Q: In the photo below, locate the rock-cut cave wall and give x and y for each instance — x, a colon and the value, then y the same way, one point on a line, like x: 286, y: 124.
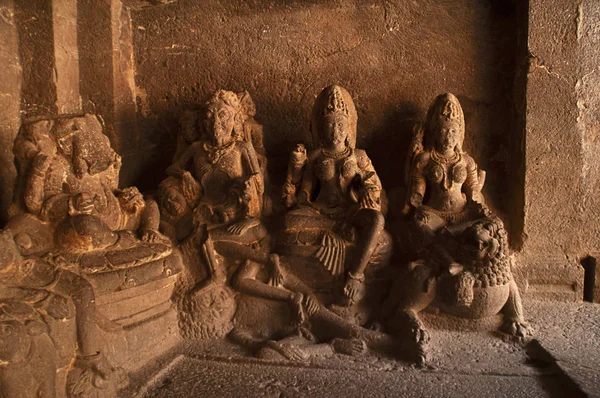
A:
x: 525, y: 73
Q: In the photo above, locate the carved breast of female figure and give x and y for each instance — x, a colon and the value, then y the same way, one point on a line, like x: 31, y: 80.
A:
x: 335, y: 176
x: 445, y: 179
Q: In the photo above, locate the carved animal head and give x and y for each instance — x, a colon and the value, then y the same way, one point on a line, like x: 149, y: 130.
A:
x: 131, y: 200
x: 82, y: 141
x: 16, y: 339
x: 19, y: 322
x: 483, y: 241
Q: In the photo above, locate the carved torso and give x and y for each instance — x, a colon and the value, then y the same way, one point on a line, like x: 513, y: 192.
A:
x: 334, y: 176
x: 218, y: 172
x: 444, y: 182
x: 447, y: 180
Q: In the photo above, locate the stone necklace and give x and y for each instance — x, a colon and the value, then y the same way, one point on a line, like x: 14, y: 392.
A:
x: 336, y: 155
x: 441, y: 162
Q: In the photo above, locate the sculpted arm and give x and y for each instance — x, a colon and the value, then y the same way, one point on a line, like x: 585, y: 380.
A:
x: 418, y: 184
x: 253, y: 171
x: 308, y: 180
x: 34, y: 186
x: 473, y: 183
x: 296, y: 165
x: 178, y: 168
x: 372, y: 184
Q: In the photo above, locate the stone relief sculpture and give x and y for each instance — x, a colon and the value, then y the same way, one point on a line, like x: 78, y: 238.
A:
x: 220, y: 136
x: 465, y: 264
x: 74, y: 238
x: 212, y: 203
x: 335, y: 221
x: 243, y: 279
x: 78, y: 249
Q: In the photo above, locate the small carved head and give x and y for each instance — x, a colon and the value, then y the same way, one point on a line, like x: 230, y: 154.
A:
x: 334, y: 118
x: 484, y: 240
x: 188, y: 126
x: 446, y: 123
x: 173, y: 202
x: 335, y: 130
x: 131, y: 200
x: 223, y: 118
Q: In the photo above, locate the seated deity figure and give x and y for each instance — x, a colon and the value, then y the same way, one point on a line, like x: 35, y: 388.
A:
x: 217, y: 178
x: 217, y: 184
x: 464, y: 265
x: 73, y: 236
x: 335, y: 197
x: 444, y: 187
x: 69, y: 179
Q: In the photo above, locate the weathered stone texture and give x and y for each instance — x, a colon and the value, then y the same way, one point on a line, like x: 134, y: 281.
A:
x: 10, y: 94
x: 393, y: 56
x: 562, y: 169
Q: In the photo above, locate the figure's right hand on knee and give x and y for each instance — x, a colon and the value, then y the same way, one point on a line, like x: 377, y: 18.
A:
x: 189, y: 187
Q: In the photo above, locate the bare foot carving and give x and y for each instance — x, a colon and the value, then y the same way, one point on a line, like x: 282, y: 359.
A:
x: 297, y: 308
x: 288, y: 351
x: 351, y: 347
x: 515, y: 328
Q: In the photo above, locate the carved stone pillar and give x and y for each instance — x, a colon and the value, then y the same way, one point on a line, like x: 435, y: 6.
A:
x: 562, y: 171
x: 10, y: 94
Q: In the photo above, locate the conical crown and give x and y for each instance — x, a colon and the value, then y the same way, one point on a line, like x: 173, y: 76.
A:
x: 335, y: 103
x: 451, y: 110
x: 444, y: 109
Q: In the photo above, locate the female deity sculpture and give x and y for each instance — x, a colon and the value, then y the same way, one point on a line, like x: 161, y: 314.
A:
x: 465, y: 265
x: 336, y: 197
x: 445, y: 183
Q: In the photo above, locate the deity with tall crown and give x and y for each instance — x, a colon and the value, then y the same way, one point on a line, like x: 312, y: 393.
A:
x: 335, y: 222
x: 464, y: 265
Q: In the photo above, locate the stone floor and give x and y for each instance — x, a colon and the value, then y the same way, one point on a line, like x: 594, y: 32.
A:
x: 562, y: 359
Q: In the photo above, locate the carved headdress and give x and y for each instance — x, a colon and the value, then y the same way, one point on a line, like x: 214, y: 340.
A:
x: 232, y: 100
x: 333, y: 100
x: 445, y: 108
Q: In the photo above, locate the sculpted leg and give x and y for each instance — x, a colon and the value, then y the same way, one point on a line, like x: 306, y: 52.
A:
x: 370, y: 223
x: 245, y: 281
x: 514, y: 321
x: 90, y: 359
x: 410, y: 295
x: 82, y: 295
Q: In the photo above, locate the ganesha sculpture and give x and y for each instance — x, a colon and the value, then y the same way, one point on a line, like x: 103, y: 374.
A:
x: 78, y: 247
